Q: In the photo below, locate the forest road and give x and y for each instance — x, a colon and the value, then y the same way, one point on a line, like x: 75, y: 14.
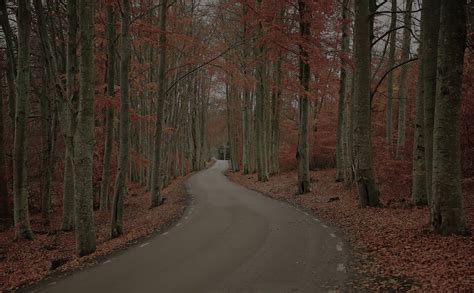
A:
x: 230, y: 239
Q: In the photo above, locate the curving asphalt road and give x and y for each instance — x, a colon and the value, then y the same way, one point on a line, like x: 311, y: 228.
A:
x: 230, y: 239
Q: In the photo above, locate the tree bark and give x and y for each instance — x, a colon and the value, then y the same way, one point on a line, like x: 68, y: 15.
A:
x: 4, y: 209
x: 418, y: 191
x: 246, y: 102
x: 391, y: 64
x: 275, y: 123
x: 156, y: 177
x: 430, y: 51
x: 84, y: 135
x: 447, y: 213
x: 21, y: 217
x: 402, y: 93
x: 367, y: 190
x: 302, y: 154
x: 341, y: 162
x: 109, y: 120
x: 69, y: 115
x: 11, y: 71
x: 262, y: 170
x: 122, y: 166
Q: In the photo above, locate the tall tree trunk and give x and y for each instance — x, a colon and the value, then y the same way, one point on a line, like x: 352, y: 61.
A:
x: 4, y: 209
x: 122, y: 165
x: 69, y: 115
x: 430, y: 53
x: 260, y: 104
x: 302, y: 153
x: 109, y: 120
x: 402, y: 93
x: 230, y: 93
x: 156, y: 179
x: 48, y: 115
x: 275, y: 123
x: 246, y: 103
x: 21, y: 217
x: 418, y: 191
x: 391, y: 64
x: 341, y: 162
x: 367, y: 189
x: 447, y: 213
x: 10, y: 56
x: 84, y: 135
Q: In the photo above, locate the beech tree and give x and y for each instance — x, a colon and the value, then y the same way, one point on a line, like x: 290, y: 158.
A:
x: 447, y: 212
x: 403, y: 90
x: 156, y: 176
x: 122, y: 167
x: 302, y: 154
x: 21, y: 212
x: 366, y: 186
x: 418, y: 191
x: 391, y: 63
x: 84, y: 135
x: 109, y: 122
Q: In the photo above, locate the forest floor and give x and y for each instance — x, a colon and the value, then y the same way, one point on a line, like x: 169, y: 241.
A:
x: 26, y: 262
x: 393, y: 247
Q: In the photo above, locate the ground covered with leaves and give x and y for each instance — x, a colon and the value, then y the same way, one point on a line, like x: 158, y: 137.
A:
x: 393, y: 247
x: 26, y: 262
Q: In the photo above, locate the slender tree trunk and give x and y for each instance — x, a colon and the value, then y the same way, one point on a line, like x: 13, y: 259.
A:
x: 275, y: 123
x: 447, y: 213
x: 260, y: 106
x: 11, y: 71
x: 302, y: 154
x: 69, y: 115
x: 156, y: 179
x: 231, y: 128
x: 84, y: 135
x: 246, y: 103
x: 367, y: 189
x: 48, y: 113
x: 122, y: 166
x: 340, y: 157
x: 402, y: 93
x: 109, y: 120
x: 391, y: 64
x: 430, y: 52
x: 418, y: 191
x: 21, y: 217
x: 4, y: 209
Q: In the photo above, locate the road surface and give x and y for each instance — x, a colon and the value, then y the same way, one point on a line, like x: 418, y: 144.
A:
x: 230, y: 239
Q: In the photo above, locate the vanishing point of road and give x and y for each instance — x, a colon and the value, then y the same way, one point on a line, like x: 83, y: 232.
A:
x: 230, y: 239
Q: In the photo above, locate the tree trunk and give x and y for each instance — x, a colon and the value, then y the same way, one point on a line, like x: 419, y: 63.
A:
x: 11, y: 71
x: 430, y: 53
x: 246, y: 103
x: 109, y: 120
x: 367, y: 189
x: 260, y: 105
x: 418, y: 191
x: 402, y: 93
x: 275, y: 124
x: 230, y: 93
x: 122, y: 165
x: 447, y: 213
x: 156, y: 177
x: 4, y: 209
x: 69, y: 115
x: 21, y: 217
x: 341, y: 162
x: 302, y: 153
x: 84, y: 135
x: 391, y: 64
